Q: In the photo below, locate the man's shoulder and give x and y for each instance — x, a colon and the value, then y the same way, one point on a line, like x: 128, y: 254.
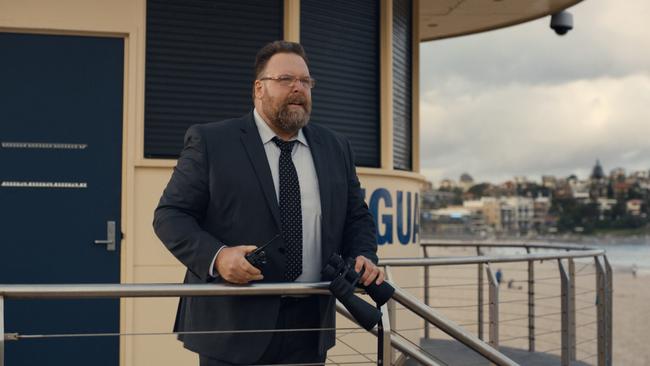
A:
x: 223, y: 126
x: 218, y: 132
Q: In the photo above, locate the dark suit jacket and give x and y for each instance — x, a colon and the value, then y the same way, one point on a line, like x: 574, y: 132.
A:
x: 222, y: 193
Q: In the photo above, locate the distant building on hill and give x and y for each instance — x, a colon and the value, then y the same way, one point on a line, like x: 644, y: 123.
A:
x: 453, y: 221
x: 563, y: 189
x: 433, y: 199
x: 541, y: 220
x: 466, y: 182
x: 633, y: 207
x: 617, y: 174
x: 598, y: 185
x: 447, y: 184
x: 510, y: 215
x: 549, y: 181
x: 579, y: 190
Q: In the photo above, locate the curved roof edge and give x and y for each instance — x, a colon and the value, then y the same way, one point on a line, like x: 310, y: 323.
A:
x: 461, y: 17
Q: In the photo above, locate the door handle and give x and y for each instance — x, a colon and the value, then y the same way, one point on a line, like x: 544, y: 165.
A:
x: 110, y: 237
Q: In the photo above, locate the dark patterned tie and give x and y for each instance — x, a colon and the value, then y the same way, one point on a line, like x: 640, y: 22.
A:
x: 290, y: 209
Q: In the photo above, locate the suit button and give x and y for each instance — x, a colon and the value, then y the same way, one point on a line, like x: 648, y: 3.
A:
x: 281, y: 250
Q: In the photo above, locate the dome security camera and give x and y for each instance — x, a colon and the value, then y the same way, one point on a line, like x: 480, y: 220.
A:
x: 562, y: 22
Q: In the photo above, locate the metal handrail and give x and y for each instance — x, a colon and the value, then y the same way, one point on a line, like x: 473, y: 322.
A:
x: 449, y: 261
x: 79, y: 291
x: 51, y: 291
x: 572, y: 251
x: 501, y: 243
x: 423, y: 310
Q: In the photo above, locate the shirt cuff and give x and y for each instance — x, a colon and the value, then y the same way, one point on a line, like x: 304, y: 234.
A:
x: 212, y: 272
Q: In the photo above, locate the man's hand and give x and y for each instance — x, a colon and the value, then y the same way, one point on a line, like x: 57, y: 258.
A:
x: 234, y: 268
x: 371, y: 273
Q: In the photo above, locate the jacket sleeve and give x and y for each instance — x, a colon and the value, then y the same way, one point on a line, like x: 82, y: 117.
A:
x: 183, y: 206
x: 359, y: 233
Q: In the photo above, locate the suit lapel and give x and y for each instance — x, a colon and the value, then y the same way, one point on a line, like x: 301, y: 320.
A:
x: 252, y: 142
x: 319, y: 154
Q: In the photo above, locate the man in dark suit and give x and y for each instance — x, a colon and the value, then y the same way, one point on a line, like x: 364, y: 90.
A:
x: 241, y: 182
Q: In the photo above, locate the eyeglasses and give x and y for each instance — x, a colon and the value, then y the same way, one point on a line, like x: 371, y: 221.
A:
x: 288, y: 80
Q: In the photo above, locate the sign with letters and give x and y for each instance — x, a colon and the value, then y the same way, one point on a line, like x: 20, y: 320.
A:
x: 394, y: 204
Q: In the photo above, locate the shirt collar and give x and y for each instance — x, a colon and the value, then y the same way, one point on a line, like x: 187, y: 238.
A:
x: 267, y: 134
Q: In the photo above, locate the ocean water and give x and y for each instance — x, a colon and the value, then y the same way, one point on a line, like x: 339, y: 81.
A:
x: 624, y: 254
x: 627, y: 255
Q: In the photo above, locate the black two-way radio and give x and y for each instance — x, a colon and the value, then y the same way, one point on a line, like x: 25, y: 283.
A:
x: 257, y: 258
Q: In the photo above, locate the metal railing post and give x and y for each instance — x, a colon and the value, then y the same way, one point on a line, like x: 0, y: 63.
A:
x: 386, y: 349
x: 566, y: 314
x: 572, y: 309
x: 609, y: 313
x: 2, y: 331
x: 409, y: 350
x: 480, y: 296
x: 392, y: 311
x: 426, y: 290
x: 494, y: 307
x: 531, y: 304
x: 401, y: 361
x: 601, y: 312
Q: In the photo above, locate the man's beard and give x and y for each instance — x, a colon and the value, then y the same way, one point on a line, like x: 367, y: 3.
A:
x: 289, y: 119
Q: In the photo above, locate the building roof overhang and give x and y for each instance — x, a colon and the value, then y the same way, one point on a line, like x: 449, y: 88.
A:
x: 450, y: 18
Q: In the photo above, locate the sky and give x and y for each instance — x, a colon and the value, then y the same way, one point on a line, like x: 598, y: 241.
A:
x: 522, y: 101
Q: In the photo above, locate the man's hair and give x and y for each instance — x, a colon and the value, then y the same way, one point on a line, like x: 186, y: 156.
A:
x: 270, y: 49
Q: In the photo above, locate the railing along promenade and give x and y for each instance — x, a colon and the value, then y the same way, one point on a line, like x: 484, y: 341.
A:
x: 394, y: 341
x: 565, y: 255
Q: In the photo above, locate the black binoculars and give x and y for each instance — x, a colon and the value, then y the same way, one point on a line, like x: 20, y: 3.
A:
x: 344, y: 279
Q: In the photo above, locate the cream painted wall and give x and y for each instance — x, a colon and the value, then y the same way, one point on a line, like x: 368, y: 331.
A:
x: 152, y: 263
x: 73, y: 16
x: 405, y: 183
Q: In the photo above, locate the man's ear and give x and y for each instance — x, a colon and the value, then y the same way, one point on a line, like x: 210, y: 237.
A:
x: 259, y: 89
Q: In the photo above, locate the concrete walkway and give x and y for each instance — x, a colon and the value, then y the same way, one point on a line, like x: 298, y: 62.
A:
x: 454, y: 353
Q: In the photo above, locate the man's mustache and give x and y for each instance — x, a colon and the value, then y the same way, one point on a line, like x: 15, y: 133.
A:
x: 297, y: 100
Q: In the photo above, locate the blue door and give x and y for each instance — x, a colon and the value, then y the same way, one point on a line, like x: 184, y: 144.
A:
x: 60, y: 182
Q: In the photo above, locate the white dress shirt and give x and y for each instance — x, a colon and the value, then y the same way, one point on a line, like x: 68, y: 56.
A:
x: 309, y: 197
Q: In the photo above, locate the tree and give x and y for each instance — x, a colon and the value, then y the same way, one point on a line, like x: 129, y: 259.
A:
x: 479, y: 190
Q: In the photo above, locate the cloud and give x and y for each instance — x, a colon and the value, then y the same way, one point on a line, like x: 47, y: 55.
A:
x: 516, y: 129
x: 609, y: 39
x: 523, y: 101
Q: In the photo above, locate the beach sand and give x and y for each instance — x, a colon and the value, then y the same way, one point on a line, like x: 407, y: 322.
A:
x: 631, y: 319
x: 454, y: 294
